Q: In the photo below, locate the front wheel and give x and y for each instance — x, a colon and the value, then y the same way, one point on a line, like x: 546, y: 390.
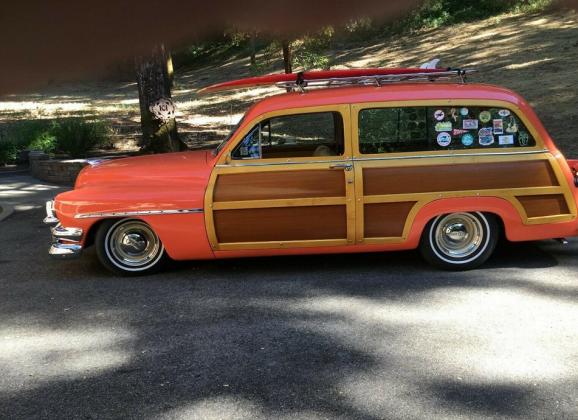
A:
x: 129, y: 247
x: 459, y: 241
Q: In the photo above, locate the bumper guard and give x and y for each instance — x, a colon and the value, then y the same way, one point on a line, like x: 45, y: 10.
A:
x: 65, y: 241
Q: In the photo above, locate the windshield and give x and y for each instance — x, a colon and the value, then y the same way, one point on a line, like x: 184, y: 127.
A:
x: 226, y: 140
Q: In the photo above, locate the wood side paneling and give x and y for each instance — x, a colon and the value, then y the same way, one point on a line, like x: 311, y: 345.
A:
x: 460, y: 177
x: 385, y: 219
x: 278, y: 185
x: 281, y: 224
x: 544, y: 205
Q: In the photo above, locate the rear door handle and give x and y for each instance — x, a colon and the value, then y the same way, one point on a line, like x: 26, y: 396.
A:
x: 344, y: 166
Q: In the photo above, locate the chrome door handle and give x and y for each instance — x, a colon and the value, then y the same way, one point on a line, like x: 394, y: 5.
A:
x: 344, y: 166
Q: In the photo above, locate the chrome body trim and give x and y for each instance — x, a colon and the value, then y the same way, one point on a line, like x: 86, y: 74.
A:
x: 283, y: 163
x: 137, y: 213
x: 50, y: 219
x: 65, y: 250
x: 364, y: 159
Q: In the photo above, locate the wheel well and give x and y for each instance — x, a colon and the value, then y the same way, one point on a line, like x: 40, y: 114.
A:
x: 91, y: 234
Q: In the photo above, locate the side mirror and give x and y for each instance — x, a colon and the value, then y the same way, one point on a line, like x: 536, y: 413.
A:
x: 228, y: 158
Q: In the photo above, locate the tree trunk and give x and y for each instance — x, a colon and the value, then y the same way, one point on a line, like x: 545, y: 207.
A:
x: 253, y: 49
x: 287, y: 56
x: 158, y: 123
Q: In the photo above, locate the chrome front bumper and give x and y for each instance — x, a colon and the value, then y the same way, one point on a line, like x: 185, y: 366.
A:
x: 65, y: 241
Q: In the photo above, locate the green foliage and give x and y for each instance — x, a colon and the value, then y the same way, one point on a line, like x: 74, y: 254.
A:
x: 437, y: 13
x: 311, y: 51
x: 72, y: 136
x: 44, y: 141
x: 77, y: 136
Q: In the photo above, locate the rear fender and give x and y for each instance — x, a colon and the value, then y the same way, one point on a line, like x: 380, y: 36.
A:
x: 514, y: 227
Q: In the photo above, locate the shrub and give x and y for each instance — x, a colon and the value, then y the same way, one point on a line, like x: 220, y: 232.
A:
x: 7, y: 152
x: 45, y: 141
x: 77, y: 136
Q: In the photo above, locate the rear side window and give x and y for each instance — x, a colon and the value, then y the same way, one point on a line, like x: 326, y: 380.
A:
x: 412, y: 129
x: 300, y: 135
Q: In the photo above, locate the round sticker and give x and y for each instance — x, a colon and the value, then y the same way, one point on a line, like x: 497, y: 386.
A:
x: 504, y: 112
x: 444, y: 139
x: 439, y: 115
x: 467, y: 139
x: 464, y: 111
x: 485, y: 116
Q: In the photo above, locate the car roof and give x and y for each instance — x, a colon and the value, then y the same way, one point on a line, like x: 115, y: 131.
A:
x: 385, y: 93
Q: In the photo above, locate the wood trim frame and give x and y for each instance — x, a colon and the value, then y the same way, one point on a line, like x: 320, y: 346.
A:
x: 245, y: 166
x: 433, y: 158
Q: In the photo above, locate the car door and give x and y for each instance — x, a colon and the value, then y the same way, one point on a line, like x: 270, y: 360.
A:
x: 285, y: 180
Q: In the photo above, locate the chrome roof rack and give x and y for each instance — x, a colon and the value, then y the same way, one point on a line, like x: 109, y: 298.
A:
x: 376, y: 80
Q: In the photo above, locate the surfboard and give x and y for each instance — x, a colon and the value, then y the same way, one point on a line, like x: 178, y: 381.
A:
x: 312, y: 76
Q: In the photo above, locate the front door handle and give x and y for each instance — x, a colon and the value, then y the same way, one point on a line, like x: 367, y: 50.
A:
x: 344, y: 166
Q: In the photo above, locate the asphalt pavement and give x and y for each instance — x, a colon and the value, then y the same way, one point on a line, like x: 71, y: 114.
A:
x: 372, y: 336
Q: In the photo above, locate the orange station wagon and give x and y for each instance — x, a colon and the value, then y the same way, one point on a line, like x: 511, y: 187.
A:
x: 444, y: 167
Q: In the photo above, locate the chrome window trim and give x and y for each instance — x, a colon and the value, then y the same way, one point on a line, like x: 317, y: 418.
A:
x: 448, y: 155
x: 362, y: 159
x: 137, y: 213
x: 283, y: 163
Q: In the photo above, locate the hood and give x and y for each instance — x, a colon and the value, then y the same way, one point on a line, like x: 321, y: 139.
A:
x: 147, y: 170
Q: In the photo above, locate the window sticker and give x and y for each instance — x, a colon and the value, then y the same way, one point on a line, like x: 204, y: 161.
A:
x: 486, y: 140
x: 486, y: 131
x: 444, y: 139
x: 523, y: 138
x: 512, y: 126
x: 454, y: 114
x: 464, y: 111
x: 485, y: 116
x: 458, y: 132
x: 504, y: 112
x: 444, y: 126
x: 506, y: 140
x: 467, y: 139
x: 470, y: 124
x: 439, y: 115
x: 498, y: 126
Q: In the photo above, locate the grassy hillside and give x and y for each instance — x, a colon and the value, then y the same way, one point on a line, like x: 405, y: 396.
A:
x: 536, y: 55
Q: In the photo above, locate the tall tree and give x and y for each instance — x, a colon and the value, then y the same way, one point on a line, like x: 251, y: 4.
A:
x: 253, y: 41
x: 158, y: 123
x: 286, y: 45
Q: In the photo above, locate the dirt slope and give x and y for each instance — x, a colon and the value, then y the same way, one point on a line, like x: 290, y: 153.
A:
x: 535, y: 55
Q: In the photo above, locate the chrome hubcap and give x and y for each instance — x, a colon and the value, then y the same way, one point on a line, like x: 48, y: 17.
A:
x: 459, y: 235
x: 134, y: 244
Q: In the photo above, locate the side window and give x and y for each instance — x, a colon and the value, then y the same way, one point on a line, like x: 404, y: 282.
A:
x: 289, y: 136
x: 391, y: 130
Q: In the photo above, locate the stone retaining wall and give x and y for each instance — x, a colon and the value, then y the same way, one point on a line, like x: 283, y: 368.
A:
x: 56, y: 171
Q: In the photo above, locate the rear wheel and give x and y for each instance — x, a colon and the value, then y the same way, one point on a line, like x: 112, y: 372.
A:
x: 459, y: 241
x: 129, y: 247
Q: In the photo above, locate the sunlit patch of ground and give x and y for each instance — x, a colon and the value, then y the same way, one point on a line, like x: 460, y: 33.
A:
x: 534, y: 55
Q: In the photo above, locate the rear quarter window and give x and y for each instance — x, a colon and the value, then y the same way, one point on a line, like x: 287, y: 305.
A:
x: 412, y: 129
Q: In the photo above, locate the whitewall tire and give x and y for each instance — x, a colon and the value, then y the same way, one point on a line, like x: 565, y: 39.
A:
x: 459, y: 241
x: 129, y: 247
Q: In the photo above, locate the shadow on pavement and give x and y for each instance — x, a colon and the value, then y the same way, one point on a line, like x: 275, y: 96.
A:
x: 338, y: 336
